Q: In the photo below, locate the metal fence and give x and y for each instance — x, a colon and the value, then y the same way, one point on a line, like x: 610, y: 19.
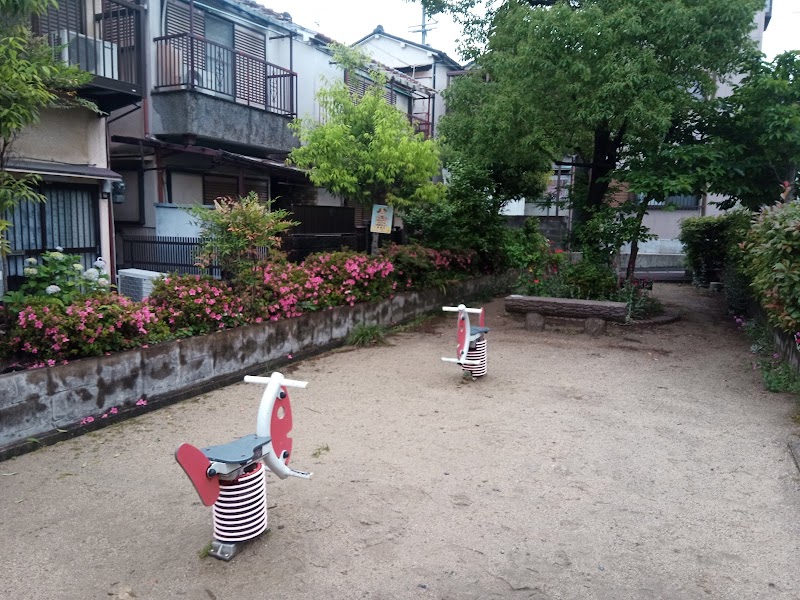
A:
x: 185, y: 61
x: 179, y: 254
x: 164, y: 254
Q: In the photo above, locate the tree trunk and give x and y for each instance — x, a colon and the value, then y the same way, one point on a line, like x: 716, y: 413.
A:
x: 640, y: 213
x: 606, y: 155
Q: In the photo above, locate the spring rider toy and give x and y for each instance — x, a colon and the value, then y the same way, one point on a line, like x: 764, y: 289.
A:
x: 232, y: 477
x: 471, y: 346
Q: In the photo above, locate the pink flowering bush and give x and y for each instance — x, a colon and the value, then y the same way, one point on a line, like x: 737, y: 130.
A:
x: 195, y: 304
x: 46, y: 331
x: 418, y: 267
x: 322, y: 281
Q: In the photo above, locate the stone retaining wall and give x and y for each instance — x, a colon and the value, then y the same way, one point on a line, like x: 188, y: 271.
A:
x: 45, y: 405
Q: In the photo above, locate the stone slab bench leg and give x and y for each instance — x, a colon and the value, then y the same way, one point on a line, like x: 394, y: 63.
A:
x: 594, y: 326
x: 534, y: 322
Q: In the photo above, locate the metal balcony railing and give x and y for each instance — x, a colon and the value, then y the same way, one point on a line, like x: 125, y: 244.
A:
x: 421, y: 125
x: 191, y: 62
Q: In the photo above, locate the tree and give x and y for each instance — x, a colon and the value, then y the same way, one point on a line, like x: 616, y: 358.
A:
x: 487, y: 130
x: 755, y: 136
x: 366, y: 150
x: 611, y: 82
x: 31, y: 80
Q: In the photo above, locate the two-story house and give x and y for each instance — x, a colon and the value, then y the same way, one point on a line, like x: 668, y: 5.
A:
x: 432, y: 68
x: 68, y: 148
x: 223, y: 80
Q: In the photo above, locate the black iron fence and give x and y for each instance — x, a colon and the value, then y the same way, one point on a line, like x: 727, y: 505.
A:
x: 179, y: 254
x: 185, y: 61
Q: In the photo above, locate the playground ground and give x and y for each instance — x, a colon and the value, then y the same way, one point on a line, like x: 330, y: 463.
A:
x: 647, y: 463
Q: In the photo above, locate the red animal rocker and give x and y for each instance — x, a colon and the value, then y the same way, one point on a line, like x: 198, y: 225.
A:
x: 232, y: 477
x: 471, y: 345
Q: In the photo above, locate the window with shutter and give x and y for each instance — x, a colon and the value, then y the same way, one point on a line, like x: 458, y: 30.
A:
x: 119, y: 25
x: 356, y: 84
x: 251, y: 73
x: 177, y: 22
x: 67, y: 15
x: 217, y: 186
x: 178, y: 19
x: 259, y: 186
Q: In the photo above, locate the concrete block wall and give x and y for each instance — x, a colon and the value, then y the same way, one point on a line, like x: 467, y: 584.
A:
x: 48, y: 404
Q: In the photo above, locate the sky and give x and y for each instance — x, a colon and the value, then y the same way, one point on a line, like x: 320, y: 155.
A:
x: 347, y: 21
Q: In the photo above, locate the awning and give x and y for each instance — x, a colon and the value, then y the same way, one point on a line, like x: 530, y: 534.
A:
x: 40, y: 167
x: 222, y: 155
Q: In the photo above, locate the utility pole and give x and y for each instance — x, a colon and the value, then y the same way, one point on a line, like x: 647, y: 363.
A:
x: 425, y: 27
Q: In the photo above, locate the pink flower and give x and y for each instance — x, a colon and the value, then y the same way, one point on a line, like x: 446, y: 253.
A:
x: 141, y: 402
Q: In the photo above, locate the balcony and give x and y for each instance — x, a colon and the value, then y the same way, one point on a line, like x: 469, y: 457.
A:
x: 109, y: 47
x: 215, y: 92
x: 191, y: 62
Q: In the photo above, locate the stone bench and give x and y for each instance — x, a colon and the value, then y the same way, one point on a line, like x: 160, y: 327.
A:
x: 595, y: 313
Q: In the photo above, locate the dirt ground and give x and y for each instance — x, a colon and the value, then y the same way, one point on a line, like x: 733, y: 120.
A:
x: 648, y: 463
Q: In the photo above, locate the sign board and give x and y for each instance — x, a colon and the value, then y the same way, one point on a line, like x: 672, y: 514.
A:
x: 382, y: 219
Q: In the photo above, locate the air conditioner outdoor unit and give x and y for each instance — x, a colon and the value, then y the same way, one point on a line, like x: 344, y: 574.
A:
x: 136, y: 284
x: 94, y: 55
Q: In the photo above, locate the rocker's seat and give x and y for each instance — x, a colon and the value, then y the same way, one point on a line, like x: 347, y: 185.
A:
x: 237, y: 452
x: 474, y: 330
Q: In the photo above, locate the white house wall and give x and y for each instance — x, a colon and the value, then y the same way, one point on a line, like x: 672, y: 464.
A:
x: 314, y: 71
x: 396, y: 54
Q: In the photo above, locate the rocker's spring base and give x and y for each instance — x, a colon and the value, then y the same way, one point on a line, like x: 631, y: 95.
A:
x: 224, y: 550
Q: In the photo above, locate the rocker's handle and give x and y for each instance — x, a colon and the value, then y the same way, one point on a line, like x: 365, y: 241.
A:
x: 474, y: 311
x: 266, y: 381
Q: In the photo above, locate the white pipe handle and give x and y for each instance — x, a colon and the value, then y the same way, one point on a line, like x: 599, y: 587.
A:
x: 474, y: 311
x: 266, y: 381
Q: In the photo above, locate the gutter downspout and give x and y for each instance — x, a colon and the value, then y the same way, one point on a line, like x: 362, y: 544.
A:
x: 433, y: 106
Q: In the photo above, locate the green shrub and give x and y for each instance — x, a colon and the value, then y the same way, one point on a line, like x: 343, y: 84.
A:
x: 418, y: 267
x: 588, y: 280
x: 591, y: 280
x: 641, y: 303
x: 772, y: 261
x: 527, y: 248
x: 710, y: 241
x: 778, y: 375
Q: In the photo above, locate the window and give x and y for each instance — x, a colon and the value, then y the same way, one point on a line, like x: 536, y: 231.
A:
x: 216, y: 186
x: 677, y: 202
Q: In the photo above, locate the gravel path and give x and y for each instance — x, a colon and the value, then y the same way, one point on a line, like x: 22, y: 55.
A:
x: 648, y: 463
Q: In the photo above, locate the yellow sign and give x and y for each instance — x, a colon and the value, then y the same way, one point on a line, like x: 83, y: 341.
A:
x: 382, y: 218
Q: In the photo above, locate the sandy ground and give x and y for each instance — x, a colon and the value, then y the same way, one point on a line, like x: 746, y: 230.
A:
x: 643, y: 464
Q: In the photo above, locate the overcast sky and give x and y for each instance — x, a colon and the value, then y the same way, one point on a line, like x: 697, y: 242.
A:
x: 349, y: 20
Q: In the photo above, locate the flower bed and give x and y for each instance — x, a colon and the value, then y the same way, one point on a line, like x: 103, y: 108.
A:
x: 67, y: 399
x: 43, y: 330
